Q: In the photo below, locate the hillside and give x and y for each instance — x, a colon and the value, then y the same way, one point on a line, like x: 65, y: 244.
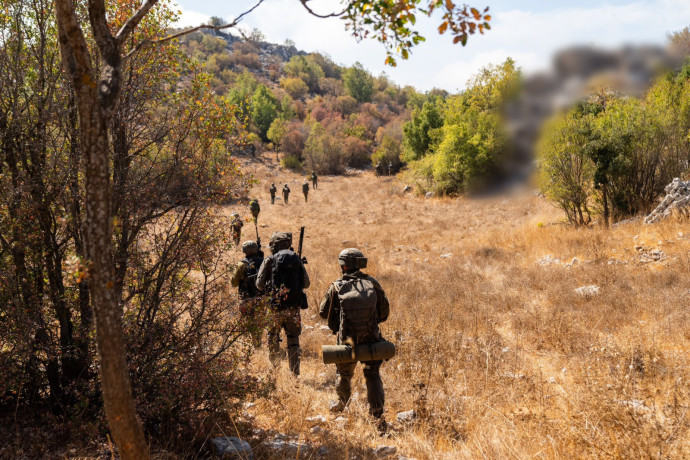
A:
x: 498, y: 353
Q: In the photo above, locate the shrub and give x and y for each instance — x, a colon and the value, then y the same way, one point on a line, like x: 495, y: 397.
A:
x: 291, y: 162
x: 359, y: 83
x: 295, y: 87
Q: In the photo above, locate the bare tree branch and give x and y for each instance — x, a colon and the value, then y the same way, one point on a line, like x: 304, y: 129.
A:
x: 147, y: 43
x: 126, y: 30
x: 101, y: 30
x: 322, y: 16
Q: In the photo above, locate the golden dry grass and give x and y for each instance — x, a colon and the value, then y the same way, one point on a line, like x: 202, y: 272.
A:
x: 498, y: 354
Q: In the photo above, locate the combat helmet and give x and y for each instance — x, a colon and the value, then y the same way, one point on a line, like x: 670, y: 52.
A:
x: 353, y: 258
x: 250, y: 248
x: 280, y: 241
x: 234, y: 214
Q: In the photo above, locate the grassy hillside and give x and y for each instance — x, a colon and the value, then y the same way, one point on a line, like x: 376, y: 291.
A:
x: 498, y: 354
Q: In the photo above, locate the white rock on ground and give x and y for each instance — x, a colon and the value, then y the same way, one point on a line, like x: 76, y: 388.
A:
x: 230, y: 447
x: 588, y: 291
x: 316, y: 420
x: 677, y: 199
x: 406, y: 417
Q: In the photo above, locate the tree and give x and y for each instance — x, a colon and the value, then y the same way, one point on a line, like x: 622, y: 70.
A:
x: 264, y: 109
x: 418, y: 130
x: 306, y: 69
x: 359, y: 83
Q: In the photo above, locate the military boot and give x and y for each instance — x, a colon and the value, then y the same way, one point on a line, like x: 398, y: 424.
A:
x: 294, y: 353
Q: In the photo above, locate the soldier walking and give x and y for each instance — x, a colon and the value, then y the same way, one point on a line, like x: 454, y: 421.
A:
x: 286, y: 193
x: 288, y: 278
x: 314, y: 180
x: 378, y: 169
x: 305, y: 189
x: 236, y: 224
x: 353, y: 306
x: 273, y: 190
x: 244, y: 279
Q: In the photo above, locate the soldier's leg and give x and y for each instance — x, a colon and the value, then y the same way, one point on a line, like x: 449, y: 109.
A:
x: 293, y: 329
x: 273, y: 337
x: 343, y: 380
x: 375, y: 394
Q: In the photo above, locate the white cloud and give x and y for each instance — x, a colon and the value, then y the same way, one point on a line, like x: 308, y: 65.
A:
x: 190, y: 18
x: 530, y: 37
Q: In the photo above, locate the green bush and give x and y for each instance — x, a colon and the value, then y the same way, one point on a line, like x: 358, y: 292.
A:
x: 291, y: 162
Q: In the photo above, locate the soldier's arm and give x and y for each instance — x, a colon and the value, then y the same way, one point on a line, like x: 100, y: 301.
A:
x: 306, y: 282
x: 263, y: 273
x: 330, y: 309
x: 238, y: 275
x: 382, y: 304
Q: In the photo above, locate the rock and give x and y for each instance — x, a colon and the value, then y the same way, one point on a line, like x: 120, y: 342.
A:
x: 323, y: 452
x: 231, y: 447
x: 407, y: 188
x: 429, y: 195
x: 677, y: 200
x: 341, y: 420
x: 447, y: 255
x: 406, y: 417
x: 316, y: 420
x: 385, y: 451
x: 317, y: 430
x: 588, y: 291
x: 548, y: 259
x: 325, y: 329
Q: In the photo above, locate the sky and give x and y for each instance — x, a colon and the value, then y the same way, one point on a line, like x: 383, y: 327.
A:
x: 528, y: 31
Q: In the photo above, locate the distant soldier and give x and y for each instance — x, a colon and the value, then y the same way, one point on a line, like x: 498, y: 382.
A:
x: 273, y: 190
x: 390, y: 168
x: 314, y: 180
x: 236, y: 225
x: 354, y: 306
x: 244, y: 279
x: 305, y: 189
x: 255, y: 209
x: 378, y: 169
x: 286, y: 193
x: 285, y: 273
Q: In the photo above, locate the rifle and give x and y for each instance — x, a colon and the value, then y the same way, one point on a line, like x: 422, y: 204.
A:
x: 301, y: 242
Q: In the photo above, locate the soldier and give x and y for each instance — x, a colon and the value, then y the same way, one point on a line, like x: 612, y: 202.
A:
x: 236, y: 224
x: 390, y: 168
x: 314, y: 180
x: 273, y: 191
x: 378, y: 169
x: 305, y: 189
x: 286, y: 193
x: 288, y: 278
x: 244, y: 279
x: 354, y: 306
x: 255, y: 209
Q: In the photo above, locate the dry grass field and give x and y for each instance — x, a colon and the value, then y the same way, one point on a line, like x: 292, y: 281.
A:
x: 498, y: 354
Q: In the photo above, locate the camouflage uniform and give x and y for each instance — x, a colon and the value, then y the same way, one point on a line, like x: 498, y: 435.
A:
x: 286, y: 193
x: 305, y: 190
x: 314, y: 180
x: 273, y: 191
x: 288, y: 319
x: 244, y: 279
x: 236, y: 224
x: 330, y: 311
x: 378, y: 169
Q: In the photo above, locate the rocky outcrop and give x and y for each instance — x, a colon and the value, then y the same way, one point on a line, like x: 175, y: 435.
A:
x: 677, y: 200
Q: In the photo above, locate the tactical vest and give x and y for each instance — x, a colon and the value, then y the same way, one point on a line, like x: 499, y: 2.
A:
x: 358, y: 314
x: 247, y: 288
x: 287, y: 279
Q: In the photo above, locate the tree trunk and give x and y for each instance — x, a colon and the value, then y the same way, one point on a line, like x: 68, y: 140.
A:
x: 95, y: 101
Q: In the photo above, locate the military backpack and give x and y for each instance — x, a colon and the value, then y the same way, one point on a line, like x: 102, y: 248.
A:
x: 358, y: 315
x: 287, y: 278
